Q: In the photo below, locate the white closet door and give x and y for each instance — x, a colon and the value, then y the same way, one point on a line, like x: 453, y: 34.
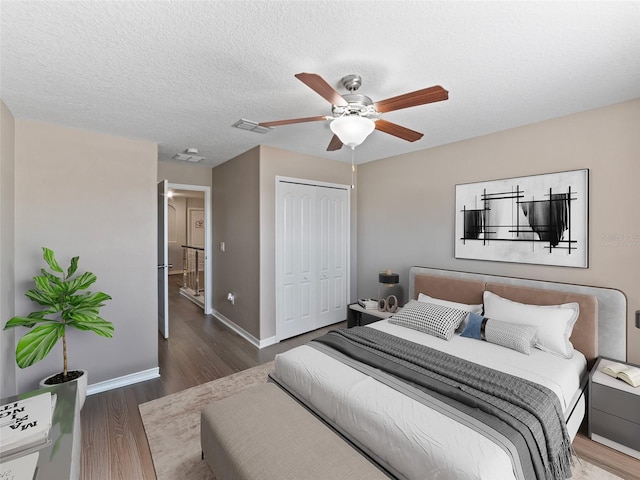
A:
x: 312, y: 241
x: 295, y: 302
x: 332, y: 237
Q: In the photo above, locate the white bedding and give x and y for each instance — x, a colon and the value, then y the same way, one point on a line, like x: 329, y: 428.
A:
x: 415, y: 440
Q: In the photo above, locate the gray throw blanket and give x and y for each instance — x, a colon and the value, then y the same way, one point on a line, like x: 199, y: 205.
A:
x: 514, y: 400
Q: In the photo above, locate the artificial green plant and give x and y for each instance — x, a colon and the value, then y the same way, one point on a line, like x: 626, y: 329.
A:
x: 63, y: 296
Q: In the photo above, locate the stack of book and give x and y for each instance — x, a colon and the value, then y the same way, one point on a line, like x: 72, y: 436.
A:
x: 25, y: 425
x: 368, y: 303
x: 21, y: 468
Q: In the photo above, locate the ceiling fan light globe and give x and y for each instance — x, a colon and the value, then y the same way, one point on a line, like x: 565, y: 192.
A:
x: 352, y: 130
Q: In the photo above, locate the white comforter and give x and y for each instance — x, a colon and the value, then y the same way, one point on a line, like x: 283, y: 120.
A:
x: 416, y: 441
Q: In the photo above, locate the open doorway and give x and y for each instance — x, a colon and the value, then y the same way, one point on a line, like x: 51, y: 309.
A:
x: 189, y: 241
x: 170, y: 237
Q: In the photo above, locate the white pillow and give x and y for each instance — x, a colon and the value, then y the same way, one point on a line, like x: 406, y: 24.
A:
x: 555, y: 322
x: 446, y: 303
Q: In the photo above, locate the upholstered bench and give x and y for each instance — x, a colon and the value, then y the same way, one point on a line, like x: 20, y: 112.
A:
x: 262, y: 433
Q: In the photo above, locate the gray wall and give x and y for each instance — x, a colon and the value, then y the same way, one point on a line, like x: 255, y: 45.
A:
x: 406, y: 203
x: 92, y: 195
x: 236, y: 222
x: 7, y: 231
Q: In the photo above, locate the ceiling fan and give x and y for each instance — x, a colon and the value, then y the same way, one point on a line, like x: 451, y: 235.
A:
x: 355, y: 116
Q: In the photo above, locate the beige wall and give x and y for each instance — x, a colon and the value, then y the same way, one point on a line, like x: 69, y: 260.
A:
x: 236, y: 215
x: 185, y: 173
x: 413, y: 223
x: 276, y: 162
x: 93, y: 195
x: 7, y: 266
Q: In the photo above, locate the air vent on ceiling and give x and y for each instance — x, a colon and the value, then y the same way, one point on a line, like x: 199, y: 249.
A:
x: 243, y: 124
x: 189, y: 155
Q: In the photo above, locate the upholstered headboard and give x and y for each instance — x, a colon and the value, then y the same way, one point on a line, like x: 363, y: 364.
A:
x: 586, y: 337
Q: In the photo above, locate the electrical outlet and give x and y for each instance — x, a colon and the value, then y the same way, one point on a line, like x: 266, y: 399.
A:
x: 222, y: 246
x: 232, y: 298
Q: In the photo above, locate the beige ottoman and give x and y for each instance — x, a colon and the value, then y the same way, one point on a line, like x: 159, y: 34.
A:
x: 262, y: 433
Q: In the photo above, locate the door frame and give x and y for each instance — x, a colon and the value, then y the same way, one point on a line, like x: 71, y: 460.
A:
x: 278, y: 239
x: 208, y: 241
x: 163, y: 258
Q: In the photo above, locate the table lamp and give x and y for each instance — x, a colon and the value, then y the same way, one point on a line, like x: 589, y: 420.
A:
x: 387, y: 279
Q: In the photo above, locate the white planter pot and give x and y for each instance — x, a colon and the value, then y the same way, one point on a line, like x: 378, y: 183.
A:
x: 82, y: 383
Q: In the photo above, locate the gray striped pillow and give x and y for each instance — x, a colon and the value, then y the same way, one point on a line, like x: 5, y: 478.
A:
x: 517, y: 337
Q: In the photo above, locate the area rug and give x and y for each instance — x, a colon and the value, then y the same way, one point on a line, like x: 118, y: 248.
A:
x: 172, y: 425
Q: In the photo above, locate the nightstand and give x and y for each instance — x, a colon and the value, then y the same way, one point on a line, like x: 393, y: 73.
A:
x: 358, y: 316
x: 614, y: 411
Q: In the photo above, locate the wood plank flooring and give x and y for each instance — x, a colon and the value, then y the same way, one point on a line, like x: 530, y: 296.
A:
x: 201, y: 349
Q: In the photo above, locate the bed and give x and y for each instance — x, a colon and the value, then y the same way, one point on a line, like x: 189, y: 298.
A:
x: 414, y: 430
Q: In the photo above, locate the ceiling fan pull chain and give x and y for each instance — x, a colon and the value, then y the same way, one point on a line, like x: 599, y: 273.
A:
x: 353, y: 167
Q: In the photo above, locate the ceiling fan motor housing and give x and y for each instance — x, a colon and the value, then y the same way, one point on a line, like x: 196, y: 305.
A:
x: 358, y: 105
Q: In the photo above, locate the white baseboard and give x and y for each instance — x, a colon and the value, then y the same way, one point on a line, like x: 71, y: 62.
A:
x: 243, y: 333
x: 123, y: 381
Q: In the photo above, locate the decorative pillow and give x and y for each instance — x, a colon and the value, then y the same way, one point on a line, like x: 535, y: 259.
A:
x: 555, y: 322
x: 446, y: 303
x: 436, y: 320
x: 510, y: 335
x: 474, y: 327
x: 516, y: 337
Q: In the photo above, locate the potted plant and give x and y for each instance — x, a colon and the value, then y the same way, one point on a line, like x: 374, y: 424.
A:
x: 64, y: 298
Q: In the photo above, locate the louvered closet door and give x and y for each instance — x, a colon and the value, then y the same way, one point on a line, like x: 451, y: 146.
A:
x: 311, y: 257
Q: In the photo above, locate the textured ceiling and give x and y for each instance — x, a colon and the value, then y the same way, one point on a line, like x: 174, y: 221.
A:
x: 181, y: 73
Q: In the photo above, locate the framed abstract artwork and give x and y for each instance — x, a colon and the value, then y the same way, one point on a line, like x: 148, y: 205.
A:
x: 540, y: 219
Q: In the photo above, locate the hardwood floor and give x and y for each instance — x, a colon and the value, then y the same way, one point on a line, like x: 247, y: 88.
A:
x: 201, y: 349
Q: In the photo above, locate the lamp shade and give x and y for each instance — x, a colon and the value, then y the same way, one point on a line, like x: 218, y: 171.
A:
x: 352, y: 130
x: 388, y: 278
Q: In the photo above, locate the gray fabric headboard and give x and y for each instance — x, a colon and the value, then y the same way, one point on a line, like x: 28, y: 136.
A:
x: 599, y: 330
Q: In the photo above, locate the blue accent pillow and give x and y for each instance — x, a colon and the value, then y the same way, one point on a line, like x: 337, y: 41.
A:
x: 473, y: 328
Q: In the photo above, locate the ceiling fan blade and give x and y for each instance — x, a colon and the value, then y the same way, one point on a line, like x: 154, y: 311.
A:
x: 277, y: 123
x: 334, y: 144
x: 318, y: 84
x: 419, y: 97
x: 398, y: 131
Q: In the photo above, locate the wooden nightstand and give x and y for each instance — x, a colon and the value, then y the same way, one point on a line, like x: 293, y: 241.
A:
x: 358, y: 316
x: 614, y: 411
